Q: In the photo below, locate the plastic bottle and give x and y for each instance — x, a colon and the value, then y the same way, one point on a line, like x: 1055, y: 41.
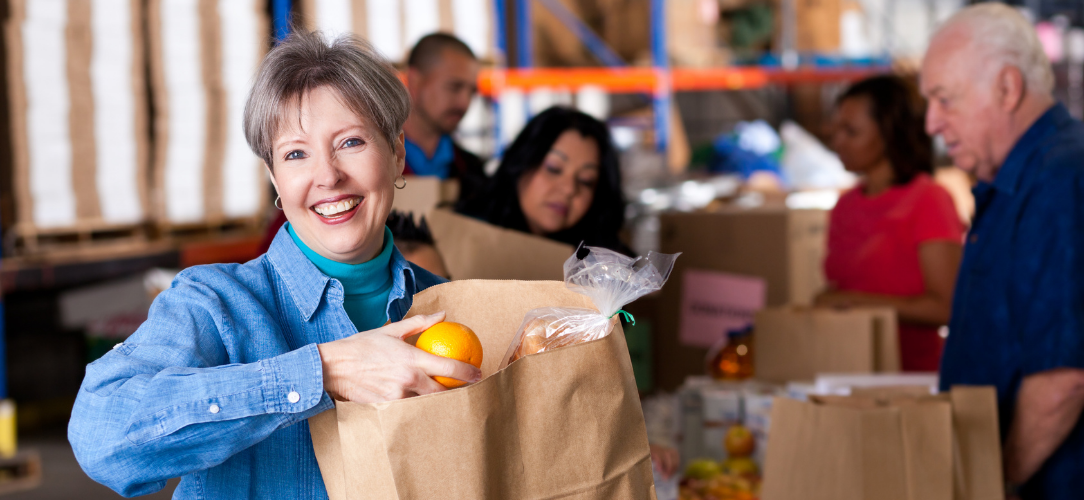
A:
x: 735, y: 361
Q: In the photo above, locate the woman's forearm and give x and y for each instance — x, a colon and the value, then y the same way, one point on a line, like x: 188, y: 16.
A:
x: 1048, y: 406
x: 135, y: 425
x: 927, y: 308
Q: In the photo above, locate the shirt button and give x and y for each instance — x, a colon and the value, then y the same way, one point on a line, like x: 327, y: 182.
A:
x: 293, y: 397
x: 214, y: 408
x: 118, y: 345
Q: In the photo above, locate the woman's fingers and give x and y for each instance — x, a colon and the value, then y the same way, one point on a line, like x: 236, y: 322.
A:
x: 437, y: 366
x: 412, y: 325
x: 426, y: 385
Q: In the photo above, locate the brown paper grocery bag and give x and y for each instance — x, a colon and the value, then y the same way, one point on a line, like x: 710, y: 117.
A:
x: 854, y: 448
x: 560, y: 424
x: 797, y: 343
x: 976, y: 444
x: 892, y: 445
x: 473, y: 249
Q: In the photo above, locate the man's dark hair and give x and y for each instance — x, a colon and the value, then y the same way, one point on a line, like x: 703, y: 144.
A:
x: 429, y: 48
x: 498, y: 204
x: 900, y: 114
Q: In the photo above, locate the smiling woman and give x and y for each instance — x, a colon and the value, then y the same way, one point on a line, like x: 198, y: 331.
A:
x: 216, y: 386
x: 559, y: 179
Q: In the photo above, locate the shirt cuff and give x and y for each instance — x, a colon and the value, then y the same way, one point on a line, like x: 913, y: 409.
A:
x: 294, y: 384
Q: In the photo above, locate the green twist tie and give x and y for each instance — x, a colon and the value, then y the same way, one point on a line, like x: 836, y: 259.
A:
x: 628, y: 317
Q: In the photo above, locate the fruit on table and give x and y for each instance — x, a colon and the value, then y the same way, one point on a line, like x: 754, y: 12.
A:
x: 739, y: 441
x: 721, y: 487
x: 703, y: 468
x: 734, y: 479
x: 740, y: 466
x: 452, y: 340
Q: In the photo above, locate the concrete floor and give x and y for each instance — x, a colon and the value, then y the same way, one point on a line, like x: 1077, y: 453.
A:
x: 62, y: 479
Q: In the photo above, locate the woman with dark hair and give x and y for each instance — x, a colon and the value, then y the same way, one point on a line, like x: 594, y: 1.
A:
x: 559, y: 179
x: 895, y: 239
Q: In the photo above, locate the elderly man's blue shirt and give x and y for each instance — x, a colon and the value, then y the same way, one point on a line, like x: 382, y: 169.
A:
x: 1019, y: 302
x: 216, y: 386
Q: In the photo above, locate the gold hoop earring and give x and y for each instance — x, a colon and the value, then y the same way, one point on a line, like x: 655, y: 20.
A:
x: 278, y: 202
x: 396, y: 184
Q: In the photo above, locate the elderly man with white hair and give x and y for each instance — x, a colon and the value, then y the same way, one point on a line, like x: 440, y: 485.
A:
x: 1018, y: 312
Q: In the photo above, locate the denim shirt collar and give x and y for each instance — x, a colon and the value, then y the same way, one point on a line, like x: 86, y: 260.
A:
x: 308, y: 286
x: 1009, y: 176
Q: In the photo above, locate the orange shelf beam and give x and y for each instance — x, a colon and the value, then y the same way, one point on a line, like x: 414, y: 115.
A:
x: 620, y: 80
x: 646, y: 80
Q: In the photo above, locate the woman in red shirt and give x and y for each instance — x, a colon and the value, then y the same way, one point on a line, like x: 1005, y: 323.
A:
x: 895, y: 239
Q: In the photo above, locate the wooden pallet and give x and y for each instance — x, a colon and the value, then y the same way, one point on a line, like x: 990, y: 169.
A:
x: 210, y: 230
x: 21, y: 472
x: 34, y: 242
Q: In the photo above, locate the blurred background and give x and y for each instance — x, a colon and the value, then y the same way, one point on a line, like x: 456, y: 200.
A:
x: 122, y: 158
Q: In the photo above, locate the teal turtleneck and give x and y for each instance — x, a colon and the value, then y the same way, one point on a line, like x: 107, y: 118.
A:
x: 366, y: 286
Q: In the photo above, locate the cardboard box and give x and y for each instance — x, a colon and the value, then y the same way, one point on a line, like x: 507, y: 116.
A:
x: 817, y: 26
x: 561, y: 424
x: 425, y: 193
x: 78, y: 116
x: 784, y: 247
x: 892, y: 445
x: 797, y: 343
x: 393, y: 27
x: 203, y: 59
x: 473, y: 249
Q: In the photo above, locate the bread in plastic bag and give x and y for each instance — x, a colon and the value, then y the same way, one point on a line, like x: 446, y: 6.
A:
x: 612, y: 280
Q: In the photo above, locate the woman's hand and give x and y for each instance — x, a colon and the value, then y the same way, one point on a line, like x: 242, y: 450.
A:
x: 666, y: 459
x: 375, y: 366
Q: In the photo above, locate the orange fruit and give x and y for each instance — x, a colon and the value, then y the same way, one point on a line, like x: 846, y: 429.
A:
x: 452, y: 340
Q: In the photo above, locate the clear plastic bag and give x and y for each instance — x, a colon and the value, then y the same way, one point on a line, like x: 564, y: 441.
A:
x: 610, y: 279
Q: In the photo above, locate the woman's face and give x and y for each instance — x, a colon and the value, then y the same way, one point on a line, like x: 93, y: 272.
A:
x: 557, y: 194
x: 855, y: 136
x: 335, y: 173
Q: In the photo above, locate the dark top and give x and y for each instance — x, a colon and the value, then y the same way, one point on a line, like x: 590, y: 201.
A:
x: 1019, y: 302
x: 468, y: 168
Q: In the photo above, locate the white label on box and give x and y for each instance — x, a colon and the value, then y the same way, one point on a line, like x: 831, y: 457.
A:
x: 713, y: 303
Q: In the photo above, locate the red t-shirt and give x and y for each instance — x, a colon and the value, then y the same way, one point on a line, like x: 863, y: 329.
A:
x: 873, y: 248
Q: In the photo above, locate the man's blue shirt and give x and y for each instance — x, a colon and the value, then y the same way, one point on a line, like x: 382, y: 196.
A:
x: 440, y: 165
x: 216, y: 386
x: 1018, y: 308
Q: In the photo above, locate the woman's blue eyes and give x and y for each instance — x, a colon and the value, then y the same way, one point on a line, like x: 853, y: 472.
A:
x: 297, y: 154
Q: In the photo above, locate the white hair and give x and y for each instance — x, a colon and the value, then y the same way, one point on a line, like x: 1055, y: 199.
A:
x: 1005, y: 35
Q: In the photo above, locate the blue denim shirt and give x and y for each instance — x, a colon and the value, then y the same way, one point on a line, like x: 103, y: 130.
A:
x: 1019, y: 302
x: 216, y: 386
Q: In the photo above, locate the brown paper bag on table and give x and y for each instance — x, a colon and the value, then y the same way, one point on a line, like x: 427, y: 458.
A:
x: 797, y: 343
x: 561, y: 424
x: 424, y: 193
x: 895, y: 445
x: 473, y: 249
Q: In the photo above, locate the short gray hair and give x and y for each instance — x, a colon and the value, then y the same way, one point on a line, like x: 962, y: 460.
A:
x: 305, y: 61
x: 1003, y: 33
